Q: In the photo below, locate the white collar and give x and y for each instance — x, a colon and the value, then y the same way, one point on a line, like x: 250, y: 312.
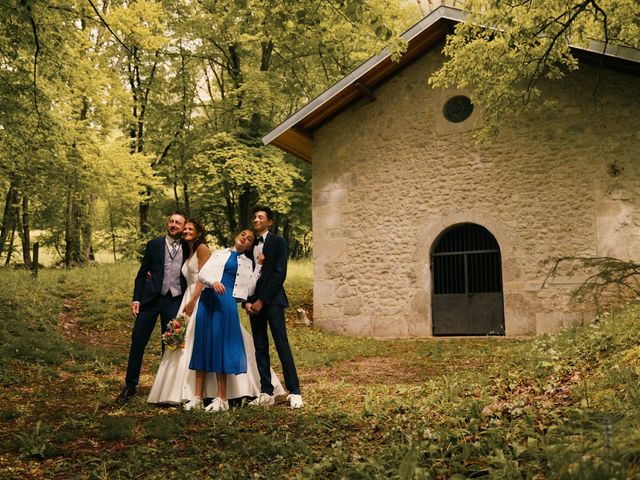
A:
x: 170, y: 240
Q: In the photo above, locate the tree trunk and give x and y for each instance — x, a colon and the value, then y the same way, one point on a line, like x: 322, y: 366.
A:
x: 73, y: 249
x: 233, y: 67
x: 113, y: 231
x: 140, y: 97
x: 79, y: 258
x: 230, y: 211
x: 286, y: 231
x: 8, y: 217
x: 244, y: 208
x: 185, y: 193
x: 175, y: 193
x: 144, y: 212
x: 68, y: 235
x: 294, y: 249
x: 87, y: 228
x: 10, y: 248
x: 24, y: 230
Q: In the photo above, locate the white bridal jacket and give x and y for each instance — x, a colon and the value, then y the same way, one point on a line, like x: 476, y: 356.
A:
x: 246, y: 277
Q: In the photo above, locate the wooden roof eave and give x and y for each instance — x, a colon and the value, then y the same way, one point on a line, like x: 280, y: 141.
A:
x: 369, y: 75
x: 295, y: 141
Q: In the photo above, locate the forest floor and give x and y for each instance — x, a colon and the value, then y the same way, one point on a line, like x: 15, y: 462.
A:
x: 564, y: 406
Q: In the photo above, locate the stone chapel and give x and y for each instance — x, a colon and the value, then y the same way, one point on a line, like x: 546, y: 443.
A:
x: 420, y: 231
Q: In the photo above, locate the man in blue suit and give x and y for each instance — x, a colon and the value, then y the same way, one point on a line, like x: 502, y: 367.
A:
x: 266, y: 307
x: 157, y: 291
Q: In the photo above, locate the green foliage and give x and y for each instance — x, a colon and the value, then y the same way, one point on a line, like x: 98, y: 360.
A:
x: 263, y: 448
x: 71, y: 430
x: 505, y: 50
x: 34, y: 443
x: 117, y: 205
x: 9, y: 414
x: 30, y: 312
x: 162, y: 427
x: 59, y: 108
x: 117, y: 428
x: 115, y: 113
x: 239, y: 175
x: 610, y: 281
x: 299, y: 286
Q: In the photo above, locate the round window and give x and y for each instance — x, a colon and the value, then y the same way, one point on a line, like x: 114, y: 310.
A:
x: 457, y: 109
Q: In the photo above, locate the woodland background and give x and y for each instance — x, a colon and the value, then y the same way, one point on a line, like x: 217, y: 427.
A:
x: 114, y: 113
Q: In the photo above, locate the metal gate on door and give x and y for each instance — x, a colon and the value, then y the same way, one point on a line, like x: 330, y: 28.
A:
x: 467, y: 283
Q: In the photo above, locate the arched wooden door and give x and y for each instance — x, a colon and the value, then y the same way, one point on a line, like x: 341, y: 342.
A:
x: 467, y: 283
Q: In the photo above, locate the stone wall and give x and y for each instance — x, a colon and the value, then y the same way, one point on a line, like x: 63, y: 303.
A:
x: 390, y: 175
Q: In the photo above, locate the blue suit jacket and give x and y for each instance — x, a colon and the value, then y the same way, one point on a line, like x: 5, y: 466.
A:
x: 145, y: 289
x: 270, y: 285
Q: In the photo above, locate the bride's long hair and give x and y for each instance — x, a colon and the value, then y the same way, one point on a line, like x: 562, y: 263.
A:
x: 200, y: 230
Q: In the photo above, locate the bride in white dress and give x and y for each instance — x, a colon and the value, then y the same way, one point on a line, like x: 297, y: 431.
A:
x: 175, y: 383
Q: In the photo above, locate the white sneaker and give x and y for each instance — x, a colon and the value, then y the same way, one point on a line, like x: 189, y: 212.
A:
x: 295, y: 400
x: 264, y: 399
x: 194, y: 404
x: 217, y: 405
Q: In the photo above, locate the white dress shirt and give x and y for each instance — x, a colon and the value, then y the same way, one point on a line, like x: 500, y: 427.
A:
x: 257, y: 249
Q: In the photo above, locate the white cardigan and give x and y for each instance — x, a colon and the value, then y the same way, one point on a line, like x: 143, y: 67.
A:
x: 246, y: 277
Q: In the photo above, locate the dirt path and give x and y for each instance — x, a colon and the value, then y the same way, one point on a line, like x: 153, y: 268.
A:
x: 68, y: 323
x: 368, y: 371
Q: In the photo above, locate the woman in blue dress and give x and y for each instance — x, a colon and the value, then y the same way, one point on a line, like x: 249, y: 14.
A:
x: 218, y: 341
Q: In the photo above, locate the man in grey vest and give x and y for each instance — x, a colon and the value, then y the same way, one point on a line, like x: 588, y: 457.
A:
x: 157, y: 291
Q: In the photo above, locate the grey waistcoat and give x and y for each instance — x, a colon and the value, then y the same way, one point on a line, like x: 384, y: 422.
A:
x: 172, y: 266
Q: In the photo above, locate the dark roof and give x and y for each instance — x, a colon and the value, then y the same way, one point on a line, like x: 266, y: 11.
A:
x: 294, y: 135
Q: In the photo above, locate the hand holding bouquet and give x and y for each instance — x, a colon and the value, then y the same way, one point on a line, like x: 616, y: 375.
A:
x: 173, y: 338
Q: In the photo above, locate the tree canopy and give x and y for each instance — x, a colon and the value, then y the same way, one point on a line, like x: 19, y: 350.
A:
x: 115, y: 112
x: 505, y: 48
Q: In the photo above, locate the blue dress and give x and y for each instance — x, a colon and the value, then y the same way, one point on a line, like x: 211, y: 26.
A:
x: 218, y: 345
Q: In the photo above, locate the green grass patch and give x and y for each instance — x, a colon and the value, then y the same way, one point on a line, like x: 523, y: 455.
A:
x: 299, y: 287
x: 117, y: 428
x: 565, y: 406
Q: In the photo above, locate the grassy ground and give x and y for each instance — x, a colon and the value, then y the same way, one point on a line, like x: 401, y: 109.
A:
x: 566, y: 406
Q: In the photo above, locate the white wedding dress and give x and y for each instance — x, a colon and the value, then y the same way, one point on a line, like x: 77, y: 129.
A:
x: 175, y: 383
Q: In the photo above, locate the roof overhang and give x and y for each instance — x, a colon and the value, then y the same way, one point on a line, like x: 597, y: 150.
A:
x: 295, y: 134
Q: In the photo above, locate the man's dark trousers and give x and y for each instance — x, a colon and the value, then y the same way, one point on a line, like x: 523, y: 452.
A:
x: 273, y: 315
x: 164, y: 306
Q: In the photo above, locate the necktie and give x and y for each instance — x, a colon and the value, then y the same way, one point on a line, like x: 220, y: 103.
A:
x: 174, y: 249
x: 258, y: 241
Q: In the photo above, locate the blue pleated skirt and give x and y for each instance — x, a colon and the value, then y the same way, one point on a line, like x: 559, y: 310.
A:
x: 218, y: 345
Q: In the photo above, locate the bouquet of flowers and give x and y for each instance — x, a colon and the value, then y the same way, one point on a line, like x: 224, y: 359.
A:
x: 173, y: 338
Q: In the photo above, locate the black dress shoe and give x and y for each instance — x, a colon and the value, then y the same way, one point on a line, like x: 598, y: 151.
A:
x: 125, y: 394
